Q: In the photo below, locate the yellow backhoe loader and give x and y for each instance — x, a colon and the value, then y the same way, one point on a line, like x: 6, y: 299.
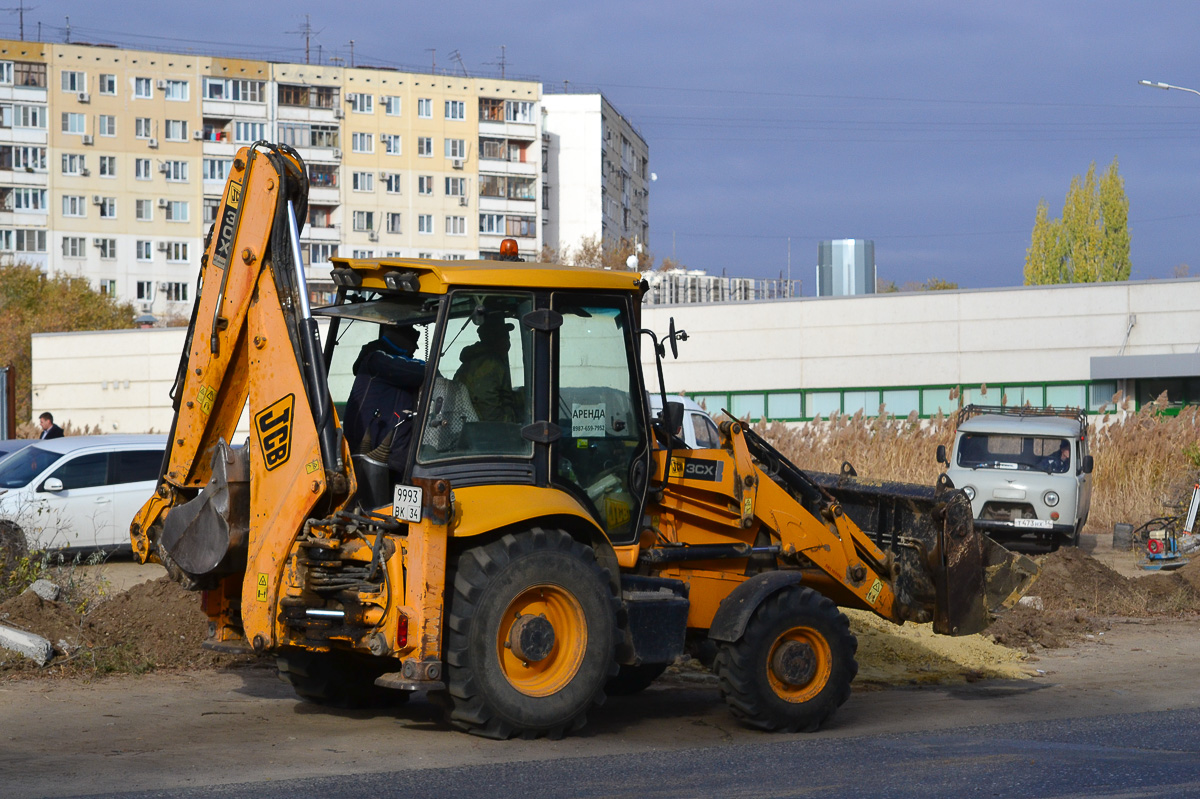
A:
x: 526, y: 537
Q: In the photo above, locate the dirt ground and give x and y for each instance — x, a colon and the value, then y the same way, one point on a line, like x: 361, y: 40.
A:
x: 155, y: 625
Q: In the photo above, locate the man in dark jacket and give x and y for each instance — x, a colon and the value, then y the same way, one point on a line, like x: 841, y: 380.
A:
x: 49, y: 428
x: 485, y: 372
x: 387, y: 380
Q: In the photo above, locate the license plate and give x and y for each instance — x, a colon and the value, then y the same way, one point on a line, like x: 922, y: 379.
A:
x: 1039, y: 524
x: 406, y: 503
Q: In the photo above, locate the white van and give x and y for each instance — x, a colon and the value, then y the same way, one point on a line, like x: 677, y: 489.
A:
x: 78, y: 492
x: 699, y: 430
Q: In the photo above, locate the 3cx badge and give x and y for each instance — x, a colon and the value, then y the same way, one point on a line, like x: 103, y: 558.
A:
x: 273, y: 425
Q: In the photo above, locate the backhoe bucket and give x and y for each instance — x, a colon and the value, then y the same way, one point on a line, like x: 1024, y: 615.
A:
x: 943, y: 568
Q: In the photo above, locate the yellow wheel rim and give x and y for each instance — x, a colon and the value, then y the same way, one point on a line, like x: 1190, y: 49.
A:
x: 564, y: 615
x: 811, y: 662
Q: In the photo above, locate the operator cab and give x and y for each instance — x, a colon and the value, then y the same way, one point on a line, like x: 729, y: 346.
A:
x: 524, y: 384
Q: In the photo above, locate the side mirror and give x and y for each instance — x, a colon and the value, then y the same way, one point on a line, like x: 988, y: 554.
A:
x: 674, y: 417
x: 1088, y: 464
x: 941, y: 455
x: 52, y: 484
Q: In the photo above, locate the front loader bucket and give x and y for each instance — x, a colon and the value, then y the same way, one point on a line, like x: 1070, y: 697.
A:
x: 943, y: 567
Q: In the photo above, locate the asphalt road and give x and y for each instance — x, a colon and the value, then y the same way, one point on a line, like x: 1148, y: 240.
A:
x: 1140, y: 755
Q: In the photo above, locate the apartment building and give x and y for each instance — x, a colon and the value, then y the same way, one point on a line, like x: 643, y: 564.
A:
x: 112, y: 161
x: 597, y: 173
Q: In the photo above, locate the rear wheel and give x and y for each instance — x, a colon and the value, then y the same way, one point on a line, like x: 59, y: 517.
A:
x: 338, y: 679
x: 531, y: 636
x: 793, y: 666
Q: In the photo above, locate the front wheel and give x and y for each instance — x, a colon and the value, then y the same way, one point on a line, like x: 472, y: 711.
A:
x: 793, y: 666
x: 531, y: 636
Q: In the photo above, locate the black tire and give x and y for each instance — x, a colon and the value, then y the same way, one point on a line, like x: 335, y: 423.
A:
x: 338, y: 679
x: 632, y: 680
x: 823, y: 663
x: 495, y: 693
x: 13, y: 545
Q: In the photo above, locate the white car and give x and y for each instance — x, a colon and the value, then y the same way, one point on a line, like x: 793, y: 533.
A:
x: 699, y: 430
x: 79, y: 492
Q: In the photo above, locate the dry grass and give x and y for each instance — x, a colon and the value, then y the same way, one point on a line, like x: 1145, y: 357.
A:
x: 1145, y: 462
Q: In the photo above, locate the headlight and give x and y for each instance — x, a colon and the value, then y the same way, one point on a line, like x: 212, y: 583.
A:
x: 1050, y: 498
x: 970, y: 492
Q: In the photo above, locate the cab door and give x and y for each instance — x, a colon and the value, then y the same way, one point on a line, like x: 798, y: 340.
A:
x: 603, y: 455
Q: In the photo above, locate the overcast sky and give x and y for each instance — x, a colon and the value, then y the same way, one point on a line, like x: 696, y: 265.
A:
x: 933, y: 128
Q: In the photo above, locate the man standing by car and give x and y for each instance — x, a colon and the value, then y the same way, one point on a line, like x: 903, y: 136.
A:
x: 49, y: 428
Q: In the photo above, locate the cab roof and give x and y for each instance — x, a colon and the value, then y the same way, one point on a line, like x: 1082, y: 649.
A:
x: 438, y: 277
x: 1050, y: 426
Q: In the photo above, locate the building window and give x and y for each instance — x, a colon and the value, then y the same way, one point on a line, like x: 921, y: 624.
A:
x: 456, y: 109
x: 143, y: 210
x: 209, y: 208
x: 74, y: 81
x: 456, y: 226
x: 323, y: 176
x: 73, y: 164
x: 177, y: 253
x: 176, y: 90
x: 491, y: 223
x: 425, y: 146
x: 6, y: 73
x: 176, y: 171
x: 520, y: 226
x: 392, y: 182
x: 108, y: 287
x: 309, y: 96
x: 425, y: 184
x: 177, y: 211
x: 216, y: 168
x: 391, y: 106
x: 240, y: 91
x: 107, y: 125
x: 361, y: 103
x: 391, y: 143
x: 424, y: 108
x: 425, y: 223
x: 145, y: 290
x: 456, y: 148
x: 362, y: 181
x: 249, y: 132
x: 27, y: 116
x: 141, y: 127
x: 518, y: 111
x: 141, y: 168
x: 108, y: 84
x: 177, y: 292
x: 393, y: 223
x: 144, y: 250
x: 143, y: 88
x: 521, y: 188
x: 321, y: 253
x: 24, y: 157
x: 304, y: 135
x: 21, y: 240
x: 74, y: 205
x: 364, y: 221
x: 27, y: 199
x: 108, y: 207
x: 74, y: 123
x: 491, y: 185
x: 176, y: 130
x: 107, y: 248
x: 362, y: 142
x: 108, y: 166
x: 491, y: 110
x: 74, y: 247
x: 456, y: 187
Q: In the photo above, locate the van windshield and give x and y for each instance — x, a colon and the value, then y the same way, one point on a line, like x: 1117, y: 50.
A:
x: 19, y: 468
x: 1028, y: 453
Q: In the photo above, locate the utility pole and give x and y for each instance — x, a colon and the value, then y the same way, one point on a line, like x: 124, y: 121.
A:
x: 456, y: 56
x: 68, y: 30
x: 433, y: 50
x: 351, y: 52
x: 20, y: 12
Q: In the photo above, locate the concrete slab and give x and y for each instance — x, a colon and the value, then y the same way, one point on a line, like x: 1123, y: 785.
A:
x: 34, y: 647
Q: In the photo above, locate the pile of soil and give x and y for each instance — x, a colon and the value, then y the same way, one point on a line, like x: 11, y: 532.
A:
x: 154, y: 625
x: 1077, y: 593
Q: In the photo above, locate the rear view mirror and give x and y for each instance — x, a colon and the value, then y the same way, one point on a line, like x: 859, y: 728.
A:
x: 674, y: 418
x: 941, y: 455
x: 1088, y: 464
x: 52, y: 484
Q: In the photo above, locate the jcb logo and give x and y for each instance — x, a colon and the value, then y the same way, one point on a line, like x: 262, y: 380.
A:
x: 228, y: 227
x: 274, y: 428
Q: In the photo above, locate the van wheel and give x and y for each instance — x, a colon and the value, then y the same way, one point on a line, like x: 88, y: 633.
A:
x: 793, y: 666
x: 531, y: 636
x: 13, y: 545
x: 338, y: 679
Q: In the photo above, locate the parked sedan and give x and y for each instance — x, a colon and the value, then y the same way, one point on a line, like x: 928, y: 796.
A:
x: 79, y: 492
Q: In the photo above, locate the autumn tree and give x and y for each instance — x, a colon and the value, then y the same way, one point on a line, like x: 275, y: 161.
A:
x: 1090, y: 242
x: 32, y: 302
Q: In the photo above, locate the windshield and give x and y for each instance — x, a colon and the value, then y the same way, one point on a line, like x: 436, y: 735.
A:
x: 1028, y: 453
x: 19, y: 468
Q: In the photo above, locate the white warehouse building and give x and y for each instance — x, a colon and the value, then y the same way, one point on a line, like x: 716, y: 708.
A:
x: 788, y: 359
